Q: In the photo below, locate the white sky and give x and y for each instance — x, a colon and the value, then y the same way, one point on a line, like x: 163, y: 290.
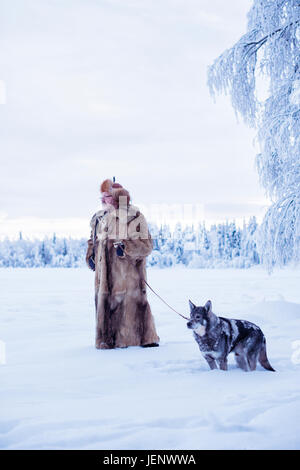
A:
x: 96, y: 88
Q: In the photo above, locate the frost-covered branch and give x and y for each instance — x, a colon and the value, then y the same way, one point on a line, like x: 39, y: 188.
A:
x: 270, y: 48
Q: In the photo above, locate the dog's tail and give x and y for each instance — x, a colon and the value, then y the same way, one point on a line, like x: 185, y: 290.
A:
x: 263, y: 358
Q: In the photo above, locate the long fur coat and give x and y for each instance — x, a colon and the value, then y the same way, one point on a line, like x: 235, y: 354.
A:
x: 123, y: 314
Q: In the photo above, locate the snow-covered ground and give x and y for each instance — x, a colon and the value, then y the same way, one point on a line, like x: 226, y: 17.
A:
x: 57, y: 391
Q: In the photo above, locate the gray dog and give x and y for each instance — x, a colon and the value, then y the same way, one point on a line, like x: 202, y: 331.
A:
x: 218, y: 336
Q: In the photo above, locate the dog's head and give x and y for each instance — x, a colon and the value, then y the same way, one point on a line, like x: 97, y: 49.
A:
x: 200, y: 317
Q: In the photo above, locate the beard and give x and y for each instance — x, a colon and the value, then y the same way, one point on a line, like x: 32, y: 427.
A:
x: 108, y: 207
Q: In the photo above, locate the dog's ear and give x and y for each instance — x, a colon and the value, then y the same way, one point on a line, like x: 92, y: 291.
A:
x: 192, y: 306
x: 208, y: 306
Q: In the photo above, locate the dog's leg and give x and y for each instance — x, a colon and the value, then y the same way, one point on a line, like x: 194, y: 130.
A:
x: 211, y: 362
x: 252, y: 348
x: 252, y: 361
x: 241, y: 361
x: 241, y: 358
x: 223, y: 363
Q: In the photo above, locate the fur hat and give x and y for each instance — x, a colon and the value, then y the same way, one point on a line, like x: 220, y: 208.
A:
x: 120, y: 192
x: 115, y: 189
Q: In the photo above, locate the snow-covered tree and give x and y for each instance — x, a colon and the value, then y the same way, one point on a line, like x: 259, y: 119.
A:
x: 225, y: 245
x: 270, y: 51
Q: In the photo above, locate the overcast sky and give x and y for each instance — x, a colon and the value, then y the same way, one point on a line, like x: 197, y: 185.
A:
x: 97, y: 88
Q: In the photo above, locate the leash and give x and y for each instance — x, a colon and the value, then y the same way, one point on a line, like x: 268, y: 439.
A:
x: 152, y: 290
x: 164, y: 300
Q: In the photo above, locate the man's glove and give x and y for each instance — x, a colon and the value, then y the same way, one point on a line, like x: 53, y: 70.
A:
x: 90, y: 255
x: 120, y: 249
x: 91, y: 263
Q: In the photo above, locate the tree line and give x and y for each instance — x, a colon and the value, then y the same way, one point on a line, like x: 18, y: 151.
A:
x: 221, y: 245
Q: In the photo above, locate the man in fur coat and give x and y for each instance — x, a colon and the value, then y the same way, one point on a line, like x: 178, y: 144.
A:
x: 117, y: 250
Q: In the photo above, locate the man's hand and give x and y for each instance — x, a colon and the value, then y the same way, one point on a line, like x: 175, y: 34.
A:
x: 120, y: 249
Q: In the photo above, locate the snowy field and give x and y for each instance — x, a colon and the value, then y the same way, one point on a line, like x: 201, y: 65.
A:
x: 58, y: 392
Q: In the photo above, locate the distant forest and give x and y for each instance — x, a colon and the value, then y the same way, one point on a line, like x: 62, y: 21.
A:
x: 222, y: 245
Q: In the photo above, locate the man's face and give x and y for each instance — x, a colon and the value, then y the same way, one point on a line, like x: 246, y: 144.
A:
x: 107, y: 200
